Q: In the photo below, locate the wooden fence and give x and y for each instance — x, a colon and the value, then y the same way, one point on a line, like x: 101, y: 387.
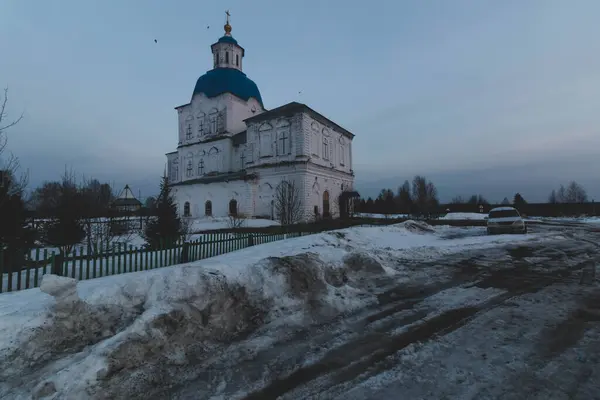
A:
x: 119, y: 258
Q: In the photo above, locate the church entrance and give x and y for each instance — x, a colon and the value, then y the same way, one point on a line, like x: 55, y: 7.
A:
x: 326, y: 204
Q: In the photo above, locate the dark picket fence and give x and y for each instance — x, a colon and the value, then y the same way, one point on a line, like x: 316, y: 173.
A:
x: 119, y: 258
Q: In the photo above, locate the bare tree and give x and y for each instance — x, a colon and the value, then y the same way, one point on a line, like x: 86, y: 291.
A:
x: 576, y: 193
x: 458, y: 200
x: 10, y: 165
x: 186, y: 229
x: 236, y: 220
x: 288, y: 204
x: 424, y: 195
x: 561, y: 195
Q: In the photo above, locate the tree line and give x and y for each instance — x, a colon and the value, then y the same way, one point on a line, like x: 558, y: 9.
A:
x: 420, y: 199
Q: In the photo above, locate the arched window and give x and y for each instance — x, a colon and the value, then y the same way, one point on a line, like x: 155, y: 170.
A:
x: 227, y: 57
x: 237, y: 60
x: 189, y: 169
x: 175, y: 170
x: 188, y: 130
x: 208, y: 208
x: 233, y: 207
x: 186, y: 209
x: 325, y: 149
x: 201, y: 167
x: 213, y: 120
x: 325, y: 204
x: 216, y: 59
x: 200, y: 117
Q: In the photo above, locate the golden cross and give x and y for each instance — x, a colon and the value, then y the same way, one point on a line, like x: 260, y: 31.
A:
x: 228, y: 15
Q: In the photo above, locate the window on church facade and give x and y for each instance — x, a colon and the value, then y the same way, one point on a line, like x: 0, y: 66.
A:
x: 342, y: 155
x: 200, y: 127
x: 266, y: 145
x: 325, y: 149
x: 216, y: 59
x: 227, y: 57
x: 213, y: 122
x: 190, y: 169
x: 243, y: 159
x: 250, y: 153
x: 188, y: 132
x: 175, y: 170
x: 201, y: 167
x: 283, y: 147
x: 237, y: 60
x: 208, y: 208
x: 186, y: 209
x: 233, y: 207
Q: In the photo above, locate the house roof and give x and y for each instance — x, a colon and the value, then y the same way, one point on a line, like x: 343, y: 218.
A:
x: 126, y: 198
x: 293, y: 108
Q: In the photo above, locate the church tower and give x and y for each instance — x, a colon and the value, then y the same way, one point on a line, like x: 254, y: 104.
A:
x: 227, y: 53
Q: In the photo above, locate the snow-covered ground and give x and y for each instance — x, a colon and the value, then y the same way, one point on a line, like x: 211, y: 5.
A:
x: 128, y: 335
x: 584, y: 220
x: 210, y: 223
x: 463, y: 216
x: 390, y: 216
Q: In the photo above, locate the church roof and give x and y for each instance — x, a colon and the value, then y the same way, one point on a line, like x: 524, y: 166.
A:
x: 227, y: 80
x: 227, y: 39
x: 293, y: 108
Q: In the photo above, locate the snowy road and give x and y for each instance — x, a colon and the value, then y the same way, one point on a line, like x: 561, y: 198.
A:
x: 406, y: 311
x: 510, y: 322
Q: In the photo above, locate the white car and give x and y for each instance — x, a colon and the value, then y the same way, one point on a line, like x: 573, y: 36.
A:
x: 505, y: 220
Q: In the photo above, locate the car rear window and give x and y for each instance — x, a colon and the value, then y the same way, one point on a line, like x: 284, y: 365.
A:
x: 504, y: 214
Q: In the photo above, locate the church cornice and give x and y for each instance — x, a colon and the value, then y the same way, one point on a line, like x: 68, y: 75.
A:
x: 227, y: 177
x: 207, y: 140
x: 307, y: 162
x: 294, y: 108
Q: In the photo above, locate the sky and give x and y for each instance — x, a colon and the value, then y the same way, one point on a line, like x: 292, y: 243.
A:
x: 480, y: 96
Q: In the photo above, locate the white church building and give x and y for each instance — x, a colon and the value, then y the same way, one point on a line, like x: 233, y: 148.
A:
x: 233, y: 153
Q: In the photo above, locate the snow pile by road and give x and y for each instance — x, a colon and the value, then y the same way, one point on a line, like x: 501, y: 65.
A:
x: 126, y: 335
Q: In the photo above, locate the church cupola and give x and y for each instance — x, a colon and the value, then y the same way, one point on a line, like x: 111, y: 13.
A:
x: 227, y: 53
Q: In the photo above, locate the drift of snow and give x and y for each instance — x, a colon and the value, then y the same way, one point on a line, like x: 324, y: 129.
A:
x: 125, y: 335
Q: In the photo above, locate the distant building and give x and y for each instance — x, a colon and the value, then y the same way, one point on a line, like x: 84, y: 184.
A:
x: 232, y: 153
x: 126, y: 201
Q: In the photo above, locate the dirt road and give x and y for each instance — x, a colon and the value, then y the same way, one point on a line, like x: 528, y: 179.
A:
x: 508, y: 322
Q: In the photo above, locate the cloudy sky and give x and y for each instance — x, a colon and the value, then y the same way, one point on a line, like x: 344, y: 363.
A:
x: 481, y: 96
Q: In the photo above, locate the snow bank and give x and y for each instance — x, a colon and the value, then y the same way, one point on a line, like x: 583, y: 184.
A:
x: 124, y: 336
x: 459, y: 216
x: 210, y: 223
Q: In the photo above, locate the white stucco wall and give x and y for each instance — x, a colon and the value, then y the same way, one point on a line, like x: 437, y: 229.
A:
x: 219, y: 193
x: 338, y: 151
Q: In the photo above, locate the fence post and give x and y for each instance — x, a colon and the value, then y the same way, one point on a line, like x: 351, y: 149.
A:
x: 250, y: 240
x: 185, y: 253
x: 57, y: 264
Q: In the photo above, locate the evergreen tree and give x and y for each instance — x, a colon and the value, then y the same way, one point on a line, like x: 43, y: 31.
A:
x: 166, y: 228
x: 65, y: 229
x: 518, y: 200
x: 16, y: 237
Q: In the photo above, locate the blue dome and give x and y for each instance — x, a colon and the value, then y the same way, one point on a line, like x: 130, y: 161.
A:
x: 227, y: 39
x: 227, y: 80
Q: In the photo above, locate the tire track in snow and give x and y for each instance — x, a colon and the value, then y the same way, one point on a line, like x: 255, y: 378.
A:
x: 355, y: 357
